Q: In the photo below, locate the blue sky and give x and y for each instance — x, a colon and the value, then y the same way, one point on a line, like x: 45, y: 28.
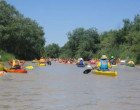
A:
x: 58, y: 17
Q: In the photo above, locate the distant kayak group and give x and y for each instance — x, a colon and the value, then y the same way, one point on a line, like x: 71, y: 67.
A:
x: 17, y: 66
x: 101, y: 66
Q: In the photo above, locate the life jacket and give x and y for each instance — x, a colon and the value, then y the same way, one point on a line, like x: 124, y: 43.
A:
x: 81, y: 63
x: 92, y: 61
x: 42, y: 60
x: 112, y: 59
x: 15, y: 63
x: 104, y: 65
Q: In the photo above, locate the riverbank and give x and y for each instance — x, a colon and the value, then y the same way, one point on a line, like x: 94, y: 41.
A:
x: 4, y: 56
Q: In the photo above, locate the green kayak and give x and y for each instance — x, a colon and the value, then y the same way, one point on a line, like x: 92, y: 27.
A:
x: 131, y: 65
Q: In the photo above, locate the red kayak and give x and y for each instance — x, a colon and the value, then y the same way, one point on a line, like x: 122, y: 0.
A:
x: 15, y: 70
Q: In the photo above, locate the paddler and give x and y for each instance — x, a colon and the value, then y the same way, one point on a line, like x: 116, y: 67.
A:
x: 80, y: 61
x: 131, y: 62
x: 104, y: 64
x: 112, y: 60
x: 16, y: 64
x: 42, y: 60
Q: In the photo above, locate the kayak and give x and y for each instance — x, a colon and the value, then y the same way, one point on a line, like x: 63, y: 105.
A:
x: 34, y: 61
x: 80, y: 65
x: 2, y: 73
x: 114, y: 65
x: 131, y: 65
x: 122, y: 62
x: 29, y: 67
x: 15, y: 70
x: 41, y: 64
x: 111, y: 73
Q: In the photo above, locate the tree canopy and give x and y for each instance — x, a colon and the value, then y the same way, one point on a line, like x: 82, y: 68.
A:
x: 20, y: 36
x: 24, y: 38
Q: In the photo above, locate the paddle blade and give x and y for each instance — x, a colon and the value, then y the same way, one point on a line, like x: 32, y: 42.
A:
x: 87, y: 71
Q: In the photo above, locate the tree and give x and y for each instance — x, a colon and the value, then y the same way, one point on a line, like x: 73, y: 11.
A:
x: 52, y: 51
x: 82, y: 43
x: 20, y: 36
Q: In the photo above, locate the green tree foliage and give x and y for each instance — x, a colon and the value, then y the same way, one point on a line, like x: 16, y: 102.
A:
x: 20, y: 36
x: 52, y: 51
x: 124, y: 42
x: 65, y: 51
x: 107, y: 41
x: 137, y: 49
x: 82, y: 43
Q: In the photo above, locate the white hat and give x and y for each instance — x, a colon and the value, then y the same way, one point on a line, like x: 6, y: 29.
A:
x: 80, y: 59
x: 104, y: 57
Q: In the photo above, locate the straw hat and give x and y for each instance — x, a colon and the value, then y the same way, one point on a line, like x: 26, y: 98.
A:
x: 104, y: 57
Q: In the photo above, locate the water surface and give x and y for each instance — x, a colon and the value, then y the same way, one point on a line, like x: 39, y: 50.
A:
x: 65, y: 87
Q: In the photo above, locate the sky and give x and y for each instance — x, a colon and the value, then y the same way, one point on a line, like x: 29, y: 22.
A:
x: 58, y: 17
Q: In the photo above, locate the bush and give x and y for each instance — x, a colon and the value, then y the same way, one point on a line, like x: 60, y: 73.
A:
x: 6, y: 56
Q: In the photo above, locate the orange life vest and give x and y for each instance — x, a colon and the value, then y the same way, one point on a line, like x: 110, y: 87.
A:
x: 42, y: 60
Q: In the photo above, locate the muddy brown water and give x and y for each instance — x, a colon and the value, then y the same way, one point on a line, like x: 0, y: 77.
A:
x: 65, y: 87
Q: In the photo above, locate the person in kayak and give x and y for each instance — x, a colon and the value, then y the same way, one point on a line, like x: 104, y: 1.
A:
x: 92, y: 61
x: 80, y: 61
x: 131, y: 62
x: 112, y: 60
x: 49, y: 61
x: 16, y: 64
x: 104, y: 64
x: 42, y: 60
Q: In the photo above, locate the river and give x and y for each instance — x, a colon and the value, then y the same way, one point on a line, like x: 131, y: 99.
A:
x: 65, y: 87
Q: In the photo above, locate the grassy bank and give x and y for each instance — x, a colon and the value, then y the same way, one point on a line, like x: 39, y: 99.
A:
x: 4, y: 56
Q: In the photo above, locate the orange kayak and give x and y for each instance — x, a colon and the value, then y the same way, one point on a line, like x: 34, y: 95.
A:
x: 15, y: 70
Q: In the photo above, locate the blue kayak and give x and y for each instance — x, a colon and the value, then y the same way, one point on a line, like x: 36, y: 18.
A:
x: 80, y: 65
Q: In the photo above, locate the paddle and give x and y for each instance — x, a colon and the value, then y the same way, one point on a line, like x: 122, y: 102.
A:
x: 88, y: 70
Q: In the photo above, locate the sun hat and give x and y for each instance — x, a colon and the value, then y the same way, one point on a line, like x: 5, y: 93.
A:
x: 104, y: 57
x: 79, y: 59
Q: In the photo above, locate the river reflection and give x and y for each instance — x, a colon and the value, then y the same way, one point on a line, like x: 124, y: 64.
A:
x: 65, y: 87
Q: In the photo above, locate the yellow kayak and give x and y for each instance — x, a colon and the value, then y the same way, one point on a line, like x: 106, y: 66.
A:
x: 41, y: 64
x: 111, y: 73
x: 34, y: 61
x: 29, y: 67
x: 114, y: 65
